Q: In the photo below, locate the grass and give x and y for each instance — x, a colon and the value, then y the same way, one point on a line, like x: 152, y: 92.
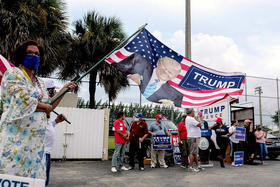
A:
x: 111, y: 146
x: 111, y: 142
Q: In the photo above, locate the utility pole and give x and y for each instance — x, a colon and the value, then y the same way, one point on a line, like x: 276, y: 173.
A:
x: 188, y: 30
x: 258, y: 90
x: 278, y: 114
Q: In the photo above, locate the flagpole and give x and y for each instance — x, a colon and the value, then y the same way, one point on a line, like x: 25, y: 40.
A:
x: 100, y: 61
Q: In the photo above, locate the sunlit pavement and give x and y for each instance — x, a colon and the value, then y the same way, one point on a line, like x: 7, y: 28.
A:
x: 97, y: 173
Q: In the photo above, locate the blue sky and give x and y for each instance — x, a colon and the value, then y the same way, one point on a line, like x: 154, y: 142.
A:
x: 231, y: 35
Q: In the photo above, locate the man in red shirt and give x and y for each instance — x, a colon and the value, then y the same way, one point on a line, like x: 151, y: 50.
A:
x: 121, y: 136
x: 183, y: 146
x: 138, y: 133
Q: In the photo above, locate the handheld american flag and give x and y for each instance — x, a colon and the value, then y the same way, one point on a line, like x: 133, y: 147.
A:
x: 4, y: 65
x: 165, y: 76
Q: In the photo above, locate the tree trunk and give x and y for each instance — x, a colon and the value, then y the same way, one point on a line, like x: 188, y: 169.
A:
x: 92, y: 88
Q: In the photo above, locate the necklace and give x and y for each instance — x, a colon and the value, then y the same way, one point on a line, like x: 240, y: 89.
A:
x: 40, y: 96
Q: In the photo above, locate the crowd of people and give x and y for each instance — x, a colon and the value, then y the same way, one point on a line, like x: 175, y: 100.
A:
x: 27, y: 132
x: 189, y: 134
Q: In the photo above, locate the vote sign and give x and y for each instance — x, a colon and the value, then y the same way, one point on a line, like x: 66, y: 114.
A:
x: 162, y: 142
x: 15, y: 181
x: 206, y: 132
x: 238, y: 158
x: 240, y: 134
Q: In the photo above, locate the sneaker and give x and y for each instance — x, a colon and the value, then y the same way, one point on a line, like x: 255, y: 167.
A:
x: 114, y: 169
x: 153, y: 166
x: 142, y: 169
x: 164, y: 166
x: 182, y: 166
x: 130, y: 168
x: 200, y: 168
x: 124, y: 168
x: 193, y: 169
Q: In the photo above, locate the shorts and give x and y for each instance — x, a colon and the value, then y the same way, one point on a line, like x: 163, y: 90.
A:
x: 184, y: 148
x: 193, y: 145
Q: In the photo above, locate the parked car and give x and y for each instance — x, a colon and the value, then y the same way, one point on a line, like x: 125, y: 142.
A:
x: 172, y: 128
x: 273, y: 146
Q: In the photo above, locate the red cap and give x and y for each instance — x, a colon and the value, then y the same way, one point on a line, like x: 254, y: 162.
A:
x: 158, y: 116
x: 218, y: 120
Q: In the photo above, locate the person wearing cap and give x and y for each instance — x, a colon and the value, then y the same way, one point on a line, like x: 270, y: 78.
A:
x: 158, y: 128
x: 221, y: 138
x: 138, y: 134
x: 194, y: 134
x: 250, y: 142
x: 50, y: 130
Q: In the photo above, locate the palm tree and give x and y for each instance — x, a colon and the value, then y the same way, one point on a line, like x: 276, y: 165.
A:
x: 94, y: 37
x: 41, y: 20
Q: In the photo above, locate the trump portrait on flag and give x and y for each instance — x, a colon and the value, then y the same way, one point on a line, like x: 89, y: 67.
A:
x: 165, y: 76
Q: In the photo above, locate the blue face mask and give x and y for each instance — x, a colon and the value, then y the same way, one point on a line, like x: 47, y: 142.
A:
x: 31, y: 62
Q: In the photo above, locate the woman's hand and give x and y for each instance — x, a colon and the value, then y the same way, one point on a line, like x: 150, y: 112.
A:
x: 48, y: 108
x: 70, y: 85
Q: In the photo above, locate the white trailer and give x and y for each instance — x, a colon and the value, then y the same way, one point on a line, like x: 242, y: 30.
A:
x: 85, y: 138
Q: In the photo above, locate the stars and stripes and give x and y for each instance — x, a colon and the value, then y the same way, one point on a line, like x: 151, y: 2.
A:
x: 4, y: 66
x: 199, y: 85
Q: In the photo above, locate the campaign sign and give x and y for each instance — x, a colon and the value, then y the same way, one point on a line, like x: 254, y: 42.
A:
x: 15, y: 181
x: 238, y: 158
x: 177, y: 155
x: 240, y: 134
x: 162, y: 142
x: 206, y: 132
x: 175, y: 141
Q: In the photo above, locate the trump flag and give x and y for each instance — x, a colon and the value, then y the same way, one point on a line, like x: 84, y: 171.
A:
x: 164, y: 76
x: 4, y: 65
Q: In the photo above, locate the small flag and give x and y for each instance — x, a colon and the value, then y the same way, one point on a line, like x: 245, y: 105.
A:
x: 164, y: 76
x: 4, y: 66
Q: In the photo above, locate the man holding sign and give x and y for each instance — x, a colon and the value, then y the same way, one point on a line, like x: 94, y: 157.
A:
x: 158, y: 128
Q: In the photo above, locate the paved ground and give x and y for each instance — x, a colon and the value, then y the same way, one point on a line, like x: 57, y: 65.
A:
x: 97, y: 173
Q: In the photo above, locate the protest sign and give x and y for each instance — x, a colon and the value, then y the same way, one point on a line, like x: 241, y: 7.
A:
x: 240, y: 134
x: 238, y: 158
x: 162, y: 142
x: 14, y: 181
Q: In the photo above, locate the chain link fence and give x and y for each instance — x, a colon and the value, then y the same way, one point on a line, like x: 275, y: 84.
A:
x: 260, y: 92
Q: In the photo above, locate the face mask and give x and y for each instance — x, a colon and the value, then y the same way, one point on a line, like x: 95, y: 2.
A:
x: 31, y: 62
x: 136, y: 119
x: 159, y: 120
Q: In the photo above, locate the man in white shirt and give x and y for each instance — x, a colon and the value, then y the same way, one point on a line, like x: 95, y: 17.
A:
x: 50, y: 131
x: 194, y: 134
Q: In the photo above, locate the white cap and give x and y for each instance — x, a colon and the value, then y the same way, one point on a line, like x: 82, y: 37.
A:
x: 49, y: 83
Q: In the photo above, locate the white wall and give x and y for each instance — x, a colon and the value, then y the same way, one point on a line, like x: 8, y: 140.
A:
x: 83, y: 138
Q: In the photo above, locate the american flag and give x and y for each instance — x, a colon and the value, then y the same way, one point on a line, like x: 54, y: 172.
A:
x: 200, y: 86
x: 4, y: 65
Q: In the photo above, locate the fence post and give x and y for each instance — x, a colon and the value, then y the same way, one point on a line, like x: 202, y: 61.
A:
x: 245, y: 87
x: 140, y: 99
x: 278, y: 115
